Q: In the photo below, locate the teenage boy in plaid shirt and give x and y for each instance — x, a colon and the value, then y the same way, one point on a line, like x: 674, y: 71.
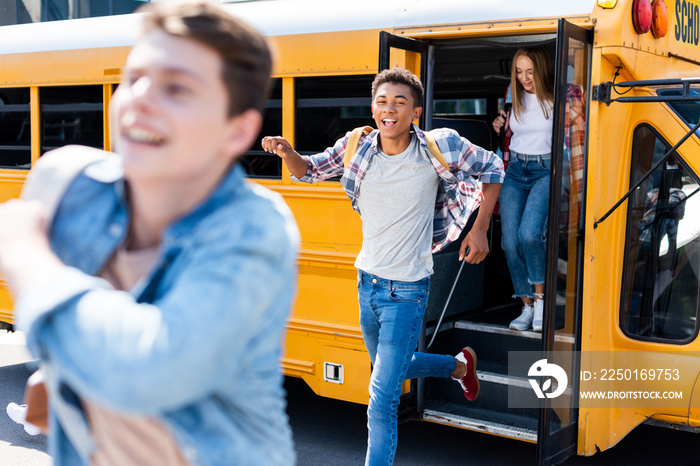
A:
x: 411, y: 204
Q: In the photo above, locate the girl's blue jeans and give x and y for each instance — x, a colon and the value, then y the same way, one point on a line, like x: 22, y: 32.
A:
x: 524, y: 202
x: 391, y: 317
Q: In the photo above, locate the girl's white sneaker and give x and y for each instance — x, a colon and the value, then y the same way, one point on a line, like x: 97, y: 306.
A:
x: 523, y: 321
x: 18, y: 413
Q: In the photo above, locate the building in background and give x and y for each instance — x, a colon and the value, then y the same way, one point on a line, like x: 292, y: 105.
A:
x: 34, y: 11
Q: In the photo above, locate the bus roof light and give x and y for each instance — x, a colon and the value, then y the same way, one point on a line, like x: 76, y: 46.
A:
x: 659, y: 18
x: 609, y: 4
x: 641, y: 15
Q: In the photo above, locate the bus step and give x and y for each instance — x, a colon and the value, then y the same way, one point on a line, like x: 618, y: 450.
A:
x: 482, y: 420
x: 503, y: 379
x: 510, y: 380
x: 504, y: 330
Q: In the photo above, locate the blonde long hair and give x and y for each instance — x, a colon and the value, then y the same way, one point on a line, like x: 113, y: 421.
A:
x: 542, y: 75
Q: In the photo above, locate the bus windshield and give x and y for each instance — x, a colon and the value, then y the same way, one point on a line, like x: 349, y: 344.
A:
x: 688, y: 111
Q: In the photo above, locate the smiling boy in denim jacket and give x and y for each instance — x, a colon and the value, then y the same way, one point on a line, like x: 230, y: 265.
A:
x: 157, y: 301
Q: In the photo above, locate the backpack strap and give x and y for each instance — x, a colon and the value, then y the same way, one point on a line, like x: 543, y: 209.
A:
x: 354, y: 140
x: 435, y: 151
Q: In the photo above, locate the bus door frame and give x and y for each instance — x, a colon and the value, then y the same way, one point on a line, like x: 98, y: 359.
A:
x: 388, y: 41
x: 554, y: 446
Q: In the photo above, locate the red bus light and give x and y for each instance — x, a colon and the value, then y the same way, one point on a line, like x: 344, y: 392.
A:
x: 641, y: 15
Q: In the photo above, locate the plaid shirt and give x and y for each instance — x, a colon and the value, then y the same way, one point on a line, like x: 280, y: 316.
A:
x: 459, y: 194
x: 575, y: 140
x: 508, y: 134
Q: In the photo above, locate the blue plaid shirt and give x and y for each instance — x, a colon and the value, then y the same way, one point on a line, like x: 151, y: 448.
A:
x: 459, y: 194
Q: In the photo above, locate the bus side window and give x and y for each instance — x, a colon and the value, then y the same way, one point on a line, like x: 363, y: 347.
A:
x: 71, y: 115
x: 15, y: 140
x: 328, y: 107
x: 661, y: 284
x: 256, y: 162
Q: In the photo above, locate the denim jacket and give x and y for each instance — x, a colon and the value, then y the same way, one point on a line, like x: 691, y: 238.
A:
x: 196, y: 343
x: 459, y: 194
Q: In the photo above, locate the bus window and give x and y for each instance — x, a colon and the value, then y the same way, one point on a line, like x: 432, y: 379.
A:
x: 329, y: 107
x: 71, y: 115
x: 257, y: 162
x: 15, y: 131
x: 459, y: 107
x: 661, y: 284
x: 688, y: 111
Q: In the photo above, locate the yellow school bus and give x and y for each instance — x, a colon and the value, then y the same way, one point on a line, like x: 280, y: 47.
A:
x: 622, y: 283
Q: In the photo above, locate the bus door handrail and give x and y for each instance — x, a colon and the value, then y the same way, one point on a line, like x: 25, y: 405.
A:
x: 602, y: 92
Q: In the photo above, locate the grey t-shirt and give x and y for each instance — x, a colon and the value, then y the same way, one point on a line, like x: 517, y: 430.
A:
x: 397, y: 204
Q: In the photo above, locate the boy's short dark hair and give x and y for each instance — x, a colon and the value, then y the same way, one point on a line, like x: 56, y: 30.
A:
x: 400, y: 76
x: 245, y: 55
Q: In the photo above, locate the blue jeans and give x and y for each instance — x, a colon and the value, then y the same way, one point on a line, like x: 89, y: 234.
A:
x: 524, y: 209
x: 391, y: 317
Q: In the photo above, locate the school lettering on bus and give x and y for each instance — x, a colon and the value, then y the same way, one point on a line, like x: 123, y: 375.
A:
x: 687, y: 28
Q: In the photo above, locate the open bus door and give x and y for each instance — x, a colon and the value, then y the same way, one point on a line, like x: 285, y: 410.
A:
x: 554, y: 425
x: 558, y: 418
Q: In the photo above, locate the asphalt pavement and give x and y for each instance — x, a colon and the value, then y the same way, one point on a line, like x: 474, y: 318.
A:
x: 330, y: 432
x: 17, y: 448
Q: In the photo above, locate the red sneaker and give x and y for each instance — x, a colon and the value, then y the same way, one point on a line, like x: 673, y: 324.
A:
x: 470, y: 382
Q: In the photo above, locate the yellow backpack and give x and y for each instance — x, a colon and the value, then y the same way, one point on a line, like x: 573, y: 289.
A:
x: 354, y: 140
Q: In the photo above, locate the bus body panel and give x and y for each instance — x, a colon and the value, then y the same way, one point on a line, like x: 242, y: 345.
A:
x: 95, y: 66
x: 639, y: 57
x: 337, y: 53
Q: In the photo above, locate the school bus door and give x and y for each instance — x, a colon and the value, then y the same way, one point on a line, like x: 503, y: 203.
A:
x: 558, y: 419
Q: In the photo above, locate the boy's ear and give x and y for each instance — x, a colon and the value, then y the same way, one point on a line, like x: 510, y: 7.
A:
x: 243, y: 131
x: 417, y: 112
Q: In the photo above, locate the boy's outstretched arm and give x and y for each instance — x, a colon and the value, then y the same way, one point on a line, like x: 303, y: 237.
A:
x: 278, y: 145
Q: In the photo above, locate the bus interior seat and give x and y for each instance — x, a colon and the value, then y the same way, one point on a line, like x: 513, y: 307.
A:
x: 476, y: 131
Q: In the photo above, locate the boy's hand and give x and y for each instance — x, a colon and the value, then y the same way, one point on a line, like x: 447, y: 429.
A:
x: 278, y: 145
x: 474, y: 248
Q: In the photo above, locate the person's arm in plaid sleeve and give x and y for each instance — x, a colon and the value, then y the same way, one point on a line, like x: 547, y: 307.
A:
x: 477, y: 239
x: 280, y: 146
x: 309, y: 169
x: 480, y: 163
x: 488, y: 168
